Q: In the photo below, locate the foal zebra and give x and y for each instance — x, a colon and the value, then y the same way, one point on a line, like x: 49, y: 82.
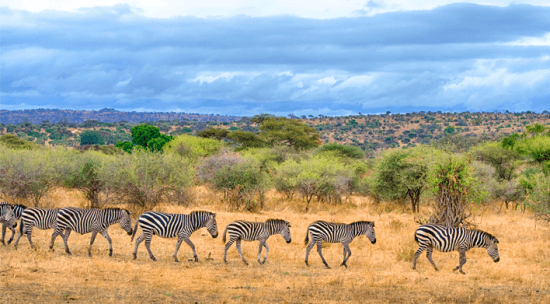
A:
x: 168, y: 225
x: 255, y: 231
x: 40, y: 217
x: 447, y: 239
x: 7, y: 217
x: 337, y: 233
x: 90, y: 220
x: 17, y: 211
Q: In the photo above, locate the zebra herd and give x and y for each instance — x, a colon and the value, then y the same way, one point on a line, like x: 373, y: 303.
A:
x: 166, y: 225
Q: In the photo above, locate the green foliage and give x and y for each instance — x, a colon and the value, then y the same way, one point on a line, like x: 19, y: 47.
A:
x: 216, y: 133
x: 14, y: 142
x: 125, y: 146
x: 344, y: 150
x: 157, y: 144
x: 503, y: 160
x: 193, y: 147
x: 537, y: 187
x: 142, y: 134
x: 291, y: 132
x: 538, y: 147
x: 323, y: 176
x: 85, y: 177
x: 449, y: 130
x: 91, y: 138
x: 510, y: 141
x: 402, y: 173
x: 246, y: 139
x: 452, y: 180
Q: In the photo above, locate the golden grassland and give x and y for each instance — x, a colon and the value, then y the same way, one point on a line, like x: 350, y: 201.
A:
x: 379, y: 273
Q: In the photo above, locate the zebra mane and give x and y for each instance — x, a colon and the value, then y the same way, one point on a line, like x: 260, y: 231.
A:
x: 201, y: 211
x: 488, y: 235
x: 362, y: 222
x: 20, y: 206
x: 116, y: 209
x: 276, y: 221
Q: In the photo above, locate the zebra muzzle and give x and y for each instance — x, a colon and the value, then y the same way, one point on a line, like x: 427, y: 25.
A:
x: 130, y: 232
x: 373, y: 241
x: 289, y: 240
x: 215, y: 235
x: 497, y: 260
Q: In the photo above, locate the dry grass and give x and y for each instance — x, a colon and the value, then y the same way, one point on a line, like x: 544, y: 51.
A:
x: 379, y: 273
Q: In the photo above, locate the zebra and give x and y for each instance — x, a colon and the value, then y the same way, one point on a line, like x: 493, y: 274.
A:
x: 40, y: 217
x: 169, y: 225
x: 7, y: 217
x: 90, y: 220
x: 17, y: 210
x: 447, y: 239
x: 255, y: 231
x: 337, y: 233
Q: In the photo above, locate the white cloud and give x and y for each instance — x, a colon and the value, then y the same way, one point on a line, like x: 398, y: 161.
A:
x: 532, y: 41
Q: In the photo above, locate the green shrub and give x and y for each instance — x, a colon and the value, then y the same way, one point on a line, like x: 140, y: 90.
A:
x: 193, y: 147
x: 343, y: 150
x: 14, y: 142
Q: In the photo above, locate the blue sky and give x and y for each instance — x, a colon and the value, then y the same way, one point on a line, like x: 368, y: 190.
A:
x: 232, y: 57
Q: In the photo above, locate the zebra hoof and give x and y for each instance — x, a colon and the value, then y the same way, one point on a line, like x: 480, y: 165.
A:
x: 10, y: 240
x: 176, y: 260
x: 154, y: 259
x: 110, y: 253
x: 135, y: 256
x: 307, y: 264
x: 344, y: 265
x: 69, y: 253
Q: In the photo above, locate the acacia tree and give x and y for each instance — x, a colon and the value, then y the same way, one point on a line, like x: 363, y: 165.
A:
x: 291, y: 132
x: 404, y: 173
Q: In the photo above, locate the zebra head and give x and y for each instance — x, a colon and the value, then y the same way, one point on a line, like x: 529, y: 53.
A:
x: 212, y: 225
x: 492, y: 247
x: 7, y: 215
x: 125, y: 221
x: 366, y: 228
x: 281, y: 227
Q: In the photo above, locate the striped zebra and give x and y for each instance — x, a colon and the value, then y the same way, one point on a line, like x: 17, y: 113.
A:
x: 7, y: 217
x: 337, y: 233
x: 90, y: 220
x: 168, y: 225
x: 40, y: 217
x: 255, y: 231
x: 17, y: 210
x: 447, y: 239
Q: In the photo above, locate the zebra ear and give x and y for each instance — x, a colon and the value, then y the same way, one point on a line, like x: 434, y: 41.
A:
x: 213, y: 214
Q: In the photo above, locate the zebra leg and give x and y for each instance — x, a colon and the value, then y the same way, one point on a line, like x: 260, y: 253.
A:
x: 178, y: 244
x: 231, y: 241
x: 266, y: 252
x: 348, y: 251
x: 319, y: 250
x: 138, y: 241
x: 4, y: 226
x: 260, y: 252
x: 12, y: 234
x: 188, y: 241
x: 108, y: 238
x: 20, y: 235
x: 417, y: 254
x: 65, y: 239
x: 238, y: 244
x: 462, y: 261
x: 29, y: 235
x: 429, y: 252
x: 57, y: 231
x: 308, y: 249
x: 148, y: 246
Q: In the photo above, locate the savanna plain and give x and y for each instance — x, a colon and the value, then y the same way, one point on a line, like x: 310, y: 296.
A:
x: 379, y: 273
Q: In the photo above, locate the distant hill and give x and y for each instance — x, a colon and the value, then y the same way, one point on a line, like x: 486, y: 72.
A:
x: 37, y: 116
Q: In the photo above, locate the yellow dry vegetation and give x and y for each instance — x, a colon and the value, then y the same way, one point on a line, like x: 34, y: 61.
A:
x: 379, y: 273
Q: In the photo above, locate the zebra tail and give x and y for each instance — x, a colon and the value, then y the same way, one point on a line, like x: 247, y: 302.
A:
x: 416, y: 237
x: 135, y: 229
x: 21, y: 227
x: 224, y: 232
x: 307, y: 236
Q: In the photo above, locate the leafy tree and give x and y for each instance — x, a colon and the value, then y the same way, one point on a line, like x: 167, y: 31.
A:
x: 87, y: 180
x: 538, y: 147
x: 344, y: 150
x: 89, y: 137
x: 157, y: 144
x: 246, y: 139
x: 216, y: 133
x: 142, y: 134
x: 404, y: 173
x: 504, y: 161
x: 291, y: 132
x: 125, y: 145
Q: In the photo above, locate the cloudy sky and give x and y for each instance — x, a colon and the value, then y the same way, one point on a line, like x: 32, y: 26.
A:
x: 245, y: 57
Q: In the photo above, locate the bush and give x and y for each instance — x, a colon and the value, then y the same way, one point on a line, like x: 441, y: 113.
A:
x: 91, y: 138
x: 14, y: 142
x: 240, y: 178
x: 144, y: 179
x: 193, y: 147
x: 343, y: 150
